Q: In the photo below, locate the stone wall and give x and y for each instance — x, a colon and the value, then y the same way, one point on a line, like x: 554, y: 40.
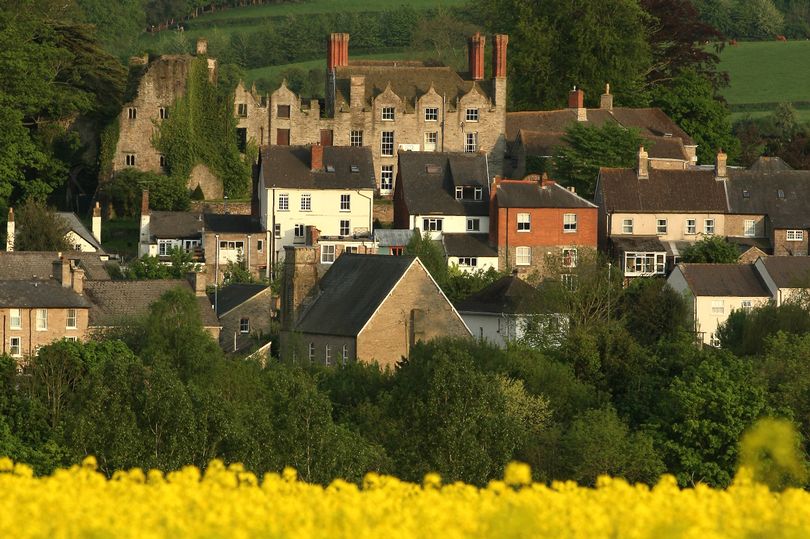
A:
x: 783, y: 247
x: 258, y: 311
x: 31, y: 338
x: 201, y: 176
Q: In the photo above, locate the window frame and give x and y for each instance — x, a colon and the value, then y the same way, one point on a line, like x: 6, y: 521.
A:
x: 345, y: 202
x: 472, y: 114
x: 431, y: 141
x: 661, y: 226
x: 344, y: 354
x: 130, y: 159
x: 718, y: 307
x: 11, y: 318
x: 749, y: 228
x: 569, y: 227
x: 473, y: 224
x: 345, y: 228
x: 18, y: 346
x: 388, y: 114
x: 432, y: 224
x: 277, y: 230
x: 306, y: 202
x: 71, y: 314
x: 283, y: 108
x: 244, y: 325
x: 356, y: 138
x: 468, y: 261
x: 132, y: 113
x: 571, y: 260
x: 746, y: 305
x: 627, y: 226
x: 387, y: 143
x: 386, y: 178
x: 459, y: 192
x: 283, y: 202
x: 523, y: 255
x: 797, y: 235
x: 299, y: 232
x: 708, y: 227
x: 311, y: 352
x: 523, y: 222
x: 431, y: 114
x: 42, y: 320
x: 645, y: 263
x: 330, y: 256
x: 690, y: 227
x: 471, y: 142
x: 242, y: 110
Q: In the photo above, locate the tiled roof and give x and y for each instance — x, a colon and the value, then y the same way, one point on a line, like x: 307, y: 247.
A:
x: 79, y: 229
x: 758, y: 189
x: 664, y: 191
x: 350, y: 292
x: 462, y: 244
x: 531, y: 194
x: 290, y: 167
x: 789, y: 271
x: 231, y: 223
x: 27, y: 265
x: 652, y: 122
x: 115, y: 301
x: 393, y: 237
x: 735, y: 280
x: 648, y: 244
x: 39, y: 295
x: 509, y: 295
x: 175, y: 224
x: 428, y: 181
x: 234, y: 295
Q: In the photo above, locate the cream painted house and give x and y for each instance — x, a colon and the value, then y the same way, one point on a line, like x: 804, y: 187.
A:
x: 713, y: 291
x: 785, y: 276
x: 328, y: 188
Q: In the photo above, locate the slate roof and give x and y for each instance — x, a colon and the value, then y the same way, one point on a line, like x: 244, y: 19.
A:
x: 691, y: 190
x: 762, y: 183
x: 531, y: 194
x: 736, y: 280
x: 36, y: 294
x: 115, y: 301
x: 28, y: 265
x: 461, y: 244
x: 649, y: 244
x: 409, y: 80
x: 350, y: 292
x: 175, y: 225
x: 234, y: 295
x: 231, y: 223
x: 393, y: 237
x: 290, y: 167
x: 74, y: 224
x: 508, y: 295
x: 789, y: 271
x: 431, y: 191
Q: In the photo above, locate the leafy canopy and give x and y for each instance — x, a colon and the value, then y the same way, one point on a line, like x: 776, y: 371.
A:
x: 711, y: 250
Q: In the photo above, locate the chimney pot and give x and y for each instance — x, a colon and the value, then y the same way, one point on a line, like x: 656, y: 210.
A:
x: 316, y: 157
x: 145, y: 202
x: 10, y: 231
x: 720, y: 168
x: 606, y: 102
x: 500, y: 41
x: 78, y: 281
x: 476, y: 56
x: 96, y: 224
x: 313, y: 235
x: 643, y: 163
x: 576, y: 100
x: 337, y: 51
x: 66, y: 273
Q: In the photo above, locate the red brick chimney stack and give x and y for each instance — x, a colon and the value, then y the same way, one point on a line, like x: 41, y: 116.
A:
x: 476, y: 56
x: 316, y: 159
x: 500, y: 42
x: 576, y: 99
x: 337, y: 51
x: 145, y: 202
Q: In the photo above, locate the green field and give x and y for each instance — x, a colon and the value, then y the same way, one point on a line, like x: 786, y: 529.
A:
x: 765, y: 73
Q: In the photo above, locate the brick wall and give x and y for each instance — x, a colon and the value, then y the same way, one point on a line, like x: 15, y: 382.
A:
x: 257, y: 258
x: 735, y: 225
x: 783, y: 247
x: 30, y: 338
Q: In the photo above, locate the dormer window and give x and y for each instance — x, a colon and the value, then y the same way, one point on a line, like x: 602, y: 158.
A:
x: 780, y: 193
x: 478, y: 193
x: 746, y: 193
x: 469, y: 192
x: 388, y: 114
x: 459, y: 193
x: 330, y: 168
x: 433, y: 169
x: 355, y: 168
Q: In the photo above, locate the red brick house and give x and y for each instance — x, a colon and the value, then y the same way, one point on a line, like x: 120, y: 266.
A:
x: 540, y: 226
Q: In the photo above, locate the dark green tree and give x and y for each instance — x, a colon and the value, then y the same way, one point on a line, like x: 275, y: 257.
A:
x: 429, y: 254
x: 39, y: 228
x: 652, y: 310
x: 711, y: 250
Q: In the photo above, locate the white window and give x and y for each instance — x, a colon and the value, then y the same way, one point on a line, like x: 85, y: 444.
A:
x: 640, y: 263
x: 431, y: 114
x: 15, y: 319
x: 351, y: 249
x: 15, y: 346
x: 129, y: 159
x: 388, y: 114
x: 691, y: 226
x: 523, y: 256
x: 467, y: 261
x: 165, y: 247
x: 524, y: 222
x: 749, y: 228
x: 132, y: 113
x: 356, y: 138
x: 470, y: 142
x: 163, y: 113
x: 478, y: 193
x: 627, y: 226
x: 570, y: 222
x: 431, y: 138
x: 714, y: 340
x: 569, y: 258
x: 327, y: 254
x: 72, y: 339
x: 306, y: 202
x: 42, y: 319
x: 473, y: 224
x: 661, y: 226
x: 328, y: 354
x: 795, y: 235
x: 232, y: 245
x: 472, y: 115
x: 345, y: 202
x: 344, y: 227
x: 386, y: 179
x: 277, y: 230
x: 459, y: 192
x: 70, y: 322
x: 432, y: 224
x: 717, y: 306
x: 708, y: 226
x: 746, y: 305
x: 244, y: 325
x: 344, y: 356
x: 241, y: 109
x: 283, y: 202
x: 300, y: 230
x: 387, y: 144
x: 311, y: 352
x: 569, y: 281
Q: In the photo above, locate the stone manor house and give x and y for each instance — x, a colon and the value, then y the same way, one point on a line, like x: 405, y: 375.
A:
x: 387, y: 106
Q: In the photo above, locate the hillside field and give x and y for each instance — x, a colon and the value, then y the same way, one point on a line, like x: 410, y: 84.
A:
x: 765, y: 73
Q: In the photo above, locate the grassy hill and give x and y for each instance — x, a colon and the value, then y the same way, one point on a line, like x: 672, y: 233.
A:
x: 766, y: 73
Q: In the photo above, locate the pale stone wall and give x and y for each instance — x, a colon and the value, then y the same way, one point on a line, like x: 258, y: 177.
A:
x: 31, y: 338
x: 735, y: 225
x: 258, y: 311
x: 783, y: 247
x: 252, y: 115
x: 202, y: 176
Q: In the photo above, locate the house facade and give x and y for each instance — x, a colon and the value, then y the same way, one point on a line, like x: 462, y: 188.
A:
x: 245, y: 312
x: 786, y: 277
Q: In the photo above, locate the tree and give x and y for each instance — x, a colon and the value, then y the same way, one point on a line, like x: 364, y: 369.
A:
x: 423, y: 247
x: 151, y: 267
x: 587, y: 148
x: 746, y: 333
x: 652, y: 310
x: 445, y: 36
x: 461, y: 284
x: 560, y: 44
x: 711, y: 250
x: 39, y: 228
x: 757, y: 19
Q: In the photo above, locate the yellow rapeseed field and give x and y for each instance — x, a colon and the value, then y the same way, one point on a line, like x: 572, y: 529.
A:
x: 230, y: 502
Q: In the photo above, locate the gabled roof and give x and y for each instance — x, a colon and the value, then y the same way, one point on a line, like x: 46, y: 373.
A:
x: 508, y: 295
x: 350, y: 292
x: 428, y: 181
x: 788, y: 271
x: 734, y: 280
x: 176, y: 225
x: 534, y: 194
x: 115, y: 301
x: 290, y: 167
x: 234, y: 295
x: 757, y: 191
x: 38, y: 294
x: 691, y: 190
x: 461, y: 244
x: 77, y: 227
x: 409, y: 80
x: 30, y: 265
